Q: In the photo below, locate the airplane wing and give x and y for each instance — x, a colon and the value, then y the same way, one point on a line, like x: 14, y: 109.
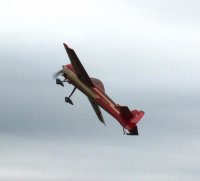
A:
x: 78, y: 67
x: 84, y: 77
x: 97, y: 110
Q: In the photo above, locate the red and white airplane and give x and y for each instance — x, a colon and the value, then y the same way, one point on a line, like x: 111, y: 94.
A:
x: 93, y: 88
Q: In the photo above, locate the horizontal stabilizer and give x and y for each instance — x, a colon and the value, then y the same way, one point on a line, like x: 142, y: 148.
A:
x: 125, y: 112
x: 133, y: 131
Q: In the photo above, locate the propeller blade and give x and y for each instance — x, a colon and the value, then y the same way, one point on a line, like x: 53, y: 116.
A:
x: 55, y: 75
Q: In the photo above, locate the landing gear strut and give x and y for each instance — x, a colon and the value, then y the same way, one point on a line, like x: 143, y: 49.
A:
x: 67, y: 99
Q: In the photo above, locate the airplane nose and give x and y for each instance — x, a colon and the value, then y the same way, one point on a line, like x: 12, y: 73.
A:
x: 65, y: 69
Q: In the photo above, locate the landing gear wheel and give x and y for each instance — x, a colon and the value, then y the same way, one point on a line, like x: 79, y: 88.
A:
x: 60, y: 82
x: 68, y: 100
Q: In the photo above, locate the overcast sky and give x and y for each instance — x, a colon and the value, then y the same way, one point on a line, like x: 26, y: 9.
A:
x: 147, y: 55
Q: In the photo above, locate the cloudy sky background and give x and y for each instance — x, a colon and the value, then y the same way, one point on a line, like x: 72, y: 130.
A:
x: 147, y: 55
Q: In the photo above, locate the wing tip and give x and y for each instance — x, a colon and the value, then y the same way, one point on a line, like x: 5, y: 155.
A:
x: 66, y: 46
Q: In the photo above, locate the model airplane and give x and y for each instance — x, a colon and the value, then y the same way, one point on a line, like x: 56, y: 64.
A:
x: 93, y: 88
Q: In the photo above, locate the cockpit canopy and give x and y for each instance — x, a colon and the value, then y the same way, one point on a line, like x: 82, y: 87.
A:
x: 98, y: 83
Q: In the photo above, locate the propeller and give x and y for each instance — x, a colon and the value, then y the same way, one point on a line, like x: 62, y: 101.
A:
x: 55, y: 75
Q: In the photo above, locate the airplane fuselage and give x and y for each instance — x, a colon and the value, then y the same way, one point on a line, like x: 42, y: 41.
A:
x: 95, y: 94
x: 73, y: 79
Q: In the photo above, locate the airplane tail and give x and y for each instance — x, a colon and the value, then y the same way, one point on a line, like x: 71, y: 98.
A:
x: 131, y: 118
